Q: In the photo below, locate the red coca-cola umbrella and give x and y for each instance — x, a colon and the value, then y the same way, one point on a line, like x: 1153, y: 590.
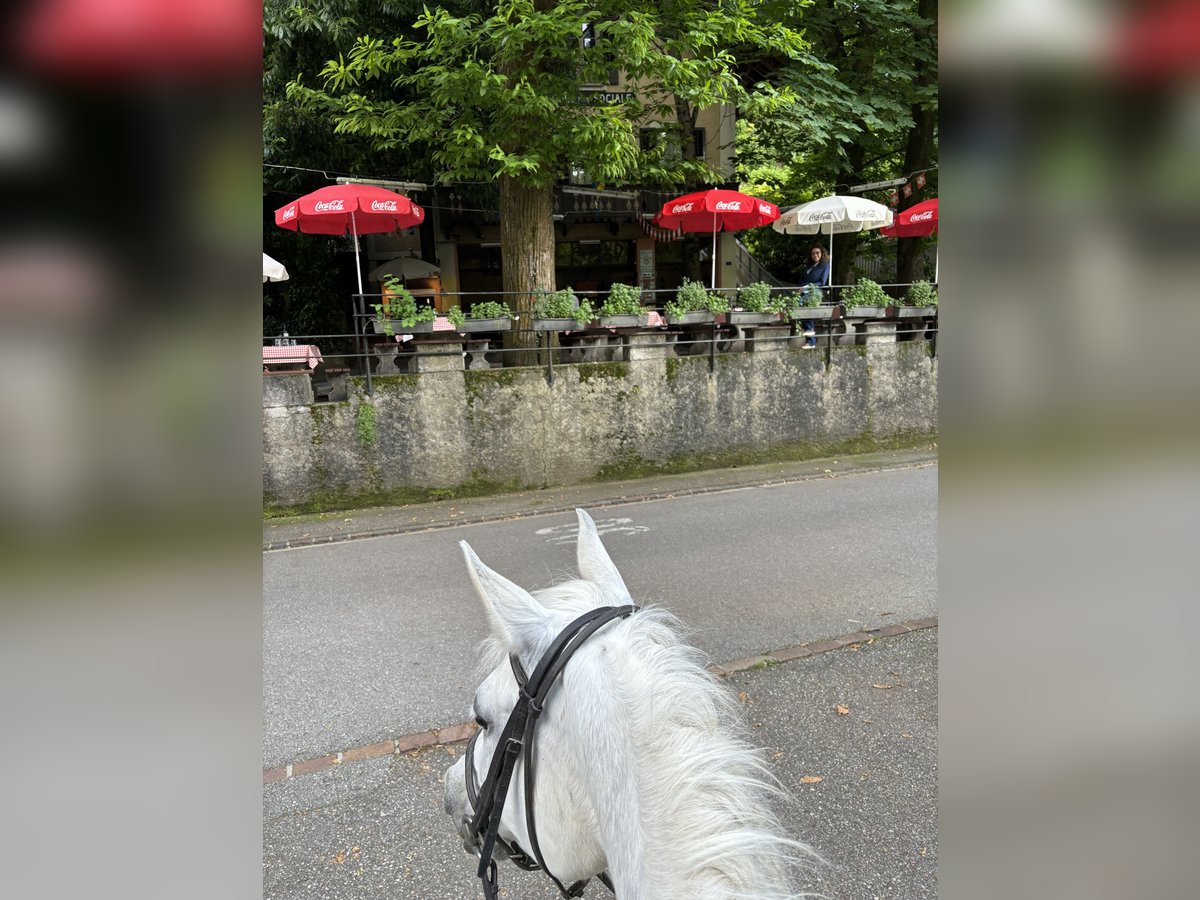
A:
x: 131, y: 39
x: 1159, y: 40
x: 919, y: 220
x: 350, y: 209
x: 715, y: 210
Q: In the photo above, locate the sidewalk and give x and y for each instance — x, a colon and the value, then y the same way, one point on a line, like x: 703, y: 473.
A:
x: 863, y: 785
x: 326, y: 528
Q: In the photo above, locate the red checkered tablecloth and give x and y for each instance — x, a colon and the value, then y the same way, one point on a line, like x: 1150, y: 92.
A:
x: 301, y: 353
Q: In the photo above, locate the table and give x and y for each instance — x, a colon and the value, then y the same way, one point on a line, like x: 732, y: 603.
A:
x: 307, y: 354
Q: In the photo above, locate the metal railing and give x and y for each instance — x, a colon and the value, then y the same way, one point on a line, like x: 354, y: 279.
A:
x: 372, y: 350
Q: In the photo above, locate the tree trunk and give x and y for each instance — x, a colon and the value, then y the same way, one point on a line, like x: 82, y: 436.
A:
x: 527, y: 248
x: 918, y: 155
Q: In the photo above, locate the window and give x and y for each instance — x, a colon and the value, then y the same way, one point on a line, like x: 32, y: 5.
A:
x: 649, y: 138
x: 588, y: 40
x: 701, y: 140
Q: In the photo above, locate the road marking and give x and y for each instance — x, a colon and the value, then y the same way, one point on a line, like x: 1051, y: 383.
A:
x: 567, y: 534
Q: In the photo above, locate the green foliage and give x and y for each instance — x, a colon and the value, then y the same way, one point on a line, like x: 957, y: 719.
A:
x: 563, y: 304
x: 401, y: 306
x: 866, y: 293
x: 755, y: 297
x: 691, y: 297
x: 921, y: 294
x: 456, y: 317
x: 869, y: 67
x: 489, y: 309
x: 365, y: 424
x: 622, y: 300
x: 808, y: 298
x: 780, y: 302
x: 716, y: 302
x: 509, y: 79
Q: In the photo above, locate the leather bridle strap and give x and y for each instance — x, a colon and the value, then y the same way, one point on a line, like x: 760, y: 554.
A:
x: 517, y: 737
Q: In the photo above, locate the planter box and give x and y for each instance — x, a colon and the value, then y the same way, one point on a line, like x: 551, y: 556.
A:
x: 557, y: 325
x: 695, y: 317
x: 397, y: 328
x: 803, y: 313
x: 502, y: 323
x: 624, y: 321
x: 915, y: 312
x: 753, y: 318
x: 864, y: 312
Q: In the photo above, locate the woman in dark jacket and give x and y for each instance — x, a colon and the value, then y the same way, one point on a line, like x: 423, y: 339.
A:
x: 818, y: 274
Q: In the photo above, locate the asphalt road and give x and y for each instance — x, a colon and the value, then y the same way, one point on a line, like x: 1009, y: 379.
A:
x: 369, y: 639
x: 375, y: 830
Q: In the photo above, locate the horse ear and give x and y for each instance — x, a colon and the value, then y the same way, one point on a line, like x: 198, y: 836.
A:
x: 594, y: 562
x: 516, y: 617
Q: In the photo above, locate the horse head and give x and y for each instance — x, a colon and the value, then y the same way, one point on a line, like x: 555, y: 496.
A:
x: 603, y: 743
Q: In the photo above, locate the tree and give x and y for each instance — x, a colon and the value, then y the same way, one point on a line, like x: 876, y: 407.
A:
x: 299, y: 36
x: 497, y: 95
x: 864, y: 89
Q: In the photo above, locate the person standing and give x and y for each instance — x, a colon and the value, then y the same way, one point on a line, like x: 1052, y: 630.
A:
x: 816, y: 274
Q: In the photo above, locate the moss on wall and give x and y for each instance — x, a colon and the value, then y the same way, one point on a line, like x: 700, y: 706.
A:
x: 631, y: 465
x: 365, y: 424
x: 593, y: 371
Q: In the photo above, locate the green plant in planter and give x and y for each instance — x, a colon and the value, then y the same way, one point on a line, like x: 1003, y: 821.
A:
x: 400, y: 305
x: 456, y: 316
x: 716, y: 302
x: 489, y: 309
x: 921, y: 293
x: 690, y: 297
x: 780, y: 302
x: 563, y: 304
x: 623, y: 300
x: 866, y: 293
x: 808, y: 298
x: 755, y: 297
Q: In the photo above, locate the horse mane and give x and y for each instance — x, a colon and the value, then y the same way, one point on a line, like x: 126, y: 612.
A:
x: 706, y: 796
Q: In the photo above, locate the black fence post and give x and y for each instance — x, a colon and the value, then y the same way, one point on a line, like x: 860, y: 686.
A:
x: 360, y: 338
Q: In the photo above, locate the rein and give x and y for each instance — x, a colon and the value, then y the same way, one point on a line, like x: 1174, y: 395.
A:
x: 516, y: 742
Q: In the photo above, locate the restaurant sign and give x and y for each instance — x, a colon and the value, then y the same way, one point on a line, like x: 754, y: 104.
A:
x: 605, y: 98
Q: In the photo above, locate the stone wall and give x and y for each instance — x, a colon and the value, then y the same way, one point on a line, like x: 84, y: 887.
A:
x: 454, y: 429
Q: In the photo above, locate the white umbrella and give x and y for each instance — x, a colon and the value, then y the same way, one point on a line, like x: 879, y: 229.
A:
x: 833, y: 215
x: 273, y: 270
x: 405, y: 267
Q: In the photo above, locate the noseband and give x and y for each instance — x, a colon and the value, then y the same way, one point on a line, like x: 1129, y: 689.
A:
x: 516, y: 742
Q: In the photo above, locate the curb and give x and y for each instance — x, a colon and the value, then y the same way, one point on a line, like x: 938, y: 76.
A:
x: 455, y: 733
x: 409, y: 528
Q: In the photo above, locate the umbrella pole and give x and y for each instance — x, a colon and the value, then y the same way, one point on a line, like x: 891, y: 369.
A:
x: 830, y: 260
x: 357, y: 263
x: 359, y: 323
x: 714, y: 251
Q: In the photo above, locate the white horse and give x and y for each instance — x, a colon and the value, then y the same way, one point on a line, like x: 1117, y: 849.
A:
x: 642, y: 766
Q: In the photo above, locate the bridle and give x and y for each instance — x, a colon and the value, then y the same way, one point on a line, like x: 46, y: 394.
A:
x: 516, y: 742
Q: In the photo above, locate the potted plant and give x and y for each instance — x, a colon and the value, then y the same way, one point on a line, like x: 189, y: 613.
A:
x: 561, y: 311
x: 920, y: 301
x: 809, y: 304
x: 689, y: 305
x: 483, y: 316
x: 754, y: 306
x: 865, y: 300
x: 623, y: 308
x: 398, y: 312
